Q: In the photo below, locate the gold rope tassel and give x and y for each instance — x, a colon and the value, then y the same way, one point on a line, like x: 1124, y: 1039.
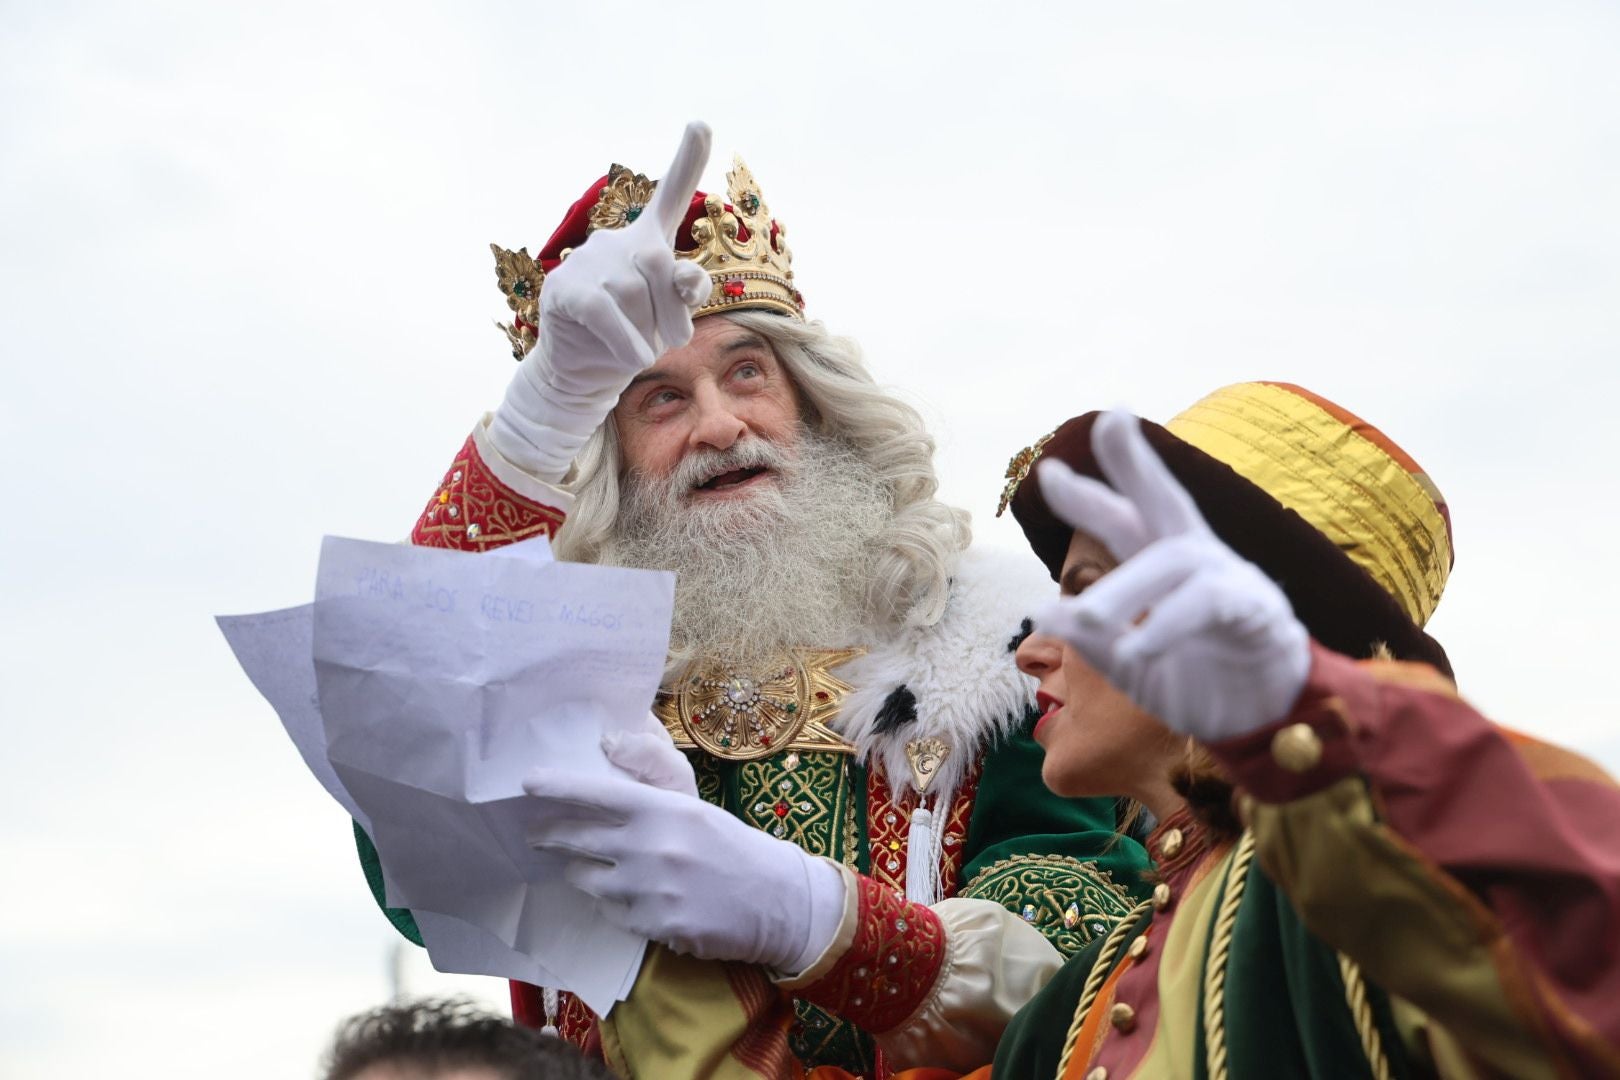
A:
x: 1355, y: 995
x: 1099, y: 975
x: 1220, y: 951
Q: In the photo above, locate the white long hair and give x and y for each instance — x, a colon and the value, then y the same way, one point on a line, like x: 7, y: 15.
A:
x: 908, y: 576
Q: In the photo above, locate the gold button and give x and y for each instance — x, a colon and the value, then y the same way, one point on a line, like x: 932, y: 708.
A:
x: 1296, y: 748
x: 1099, y: 1073
x: 1170, y: 846
x: 1122, y: 1016
x: 1161, y: 896
x: 1138, y: 949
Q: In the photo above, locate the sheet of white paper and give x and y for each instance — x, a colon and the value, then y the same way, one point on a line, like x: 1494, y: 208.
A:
x: 420, y: 689
x: 444, y: 678
x: 274, y: 649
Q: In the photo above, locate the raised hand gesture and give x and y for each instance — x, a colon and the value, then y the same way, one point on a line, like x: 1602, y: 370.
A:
x: 1190, y: 631
x: 617, y: 302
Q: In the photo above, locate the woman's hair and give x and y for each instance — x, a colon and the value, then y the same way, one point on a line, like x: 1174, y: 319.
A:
x: 910, y: 577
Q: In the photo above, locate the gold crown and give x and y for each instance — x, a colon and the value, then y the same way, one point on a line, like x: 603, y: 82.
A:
x: 754, y: 273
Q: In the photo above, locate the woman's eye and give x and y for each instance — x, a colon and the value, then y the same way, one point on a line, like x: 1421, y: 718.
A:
x: 749, y: 371
x: 663, y: 397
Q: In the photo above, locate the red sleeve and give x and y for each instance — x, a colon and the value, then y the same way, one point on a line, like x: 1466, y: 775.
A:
x: 1521, y: 839
x: 472, y: 510
x: 891, y: 965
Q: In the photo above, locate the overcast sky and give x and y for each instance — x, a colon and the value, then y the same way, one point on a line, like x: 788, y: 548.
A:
x: 246, y: 299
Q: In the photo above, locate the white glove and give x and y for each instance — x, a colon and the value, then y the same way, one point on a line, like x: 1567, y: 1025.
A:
x: 1190, y: 631
x: 619, y: 301
x: 675, y: 869
x: 648, y: 754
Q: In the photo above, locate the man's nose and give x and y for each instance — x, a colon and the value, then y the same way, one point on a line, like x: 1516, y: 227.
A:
x: 718, y: 425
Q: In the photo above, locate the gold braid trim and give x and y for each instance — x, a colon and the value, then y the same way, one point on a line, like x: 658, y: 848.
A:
x: 1099, y: 975
x: 1355, y: 995
x: 1220, y: 951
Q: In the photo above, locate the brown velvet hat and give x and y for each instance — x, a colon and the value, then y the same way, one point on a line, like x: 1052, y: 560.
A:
x: 1332, y: 510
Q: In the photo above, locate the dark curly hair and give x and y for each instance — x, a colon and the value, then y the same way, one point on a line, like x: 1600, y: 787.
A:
x: 423, y: 1038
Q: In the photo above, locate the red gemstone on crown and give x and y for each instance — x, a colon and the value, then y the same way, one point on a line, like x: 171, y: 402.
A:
x: 821, y: 695
x: 733, y: 288
x: 764, y: 740
x: 781, y: 809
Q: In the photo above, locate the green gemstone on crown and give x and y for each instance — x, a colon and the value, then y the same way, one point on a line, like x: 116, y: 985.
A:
x: 631, y: 214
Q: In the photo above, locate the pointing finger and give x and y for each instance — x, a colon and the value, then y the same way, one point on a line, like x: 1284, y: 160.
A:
x: 674, y: 192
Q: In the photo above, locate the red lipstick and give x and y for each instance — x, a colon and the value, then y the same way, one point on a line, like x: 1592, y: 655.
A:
x: 1048, y: 705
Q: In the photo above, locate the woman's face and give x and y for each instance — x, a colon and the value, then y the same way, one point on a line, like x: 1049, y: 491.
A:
x: 1097, y: 741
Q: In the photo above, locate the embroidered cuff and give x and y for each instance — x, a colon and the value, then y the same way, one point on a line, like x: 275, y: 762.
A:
x: 474, y: 508
x: 893, y: 958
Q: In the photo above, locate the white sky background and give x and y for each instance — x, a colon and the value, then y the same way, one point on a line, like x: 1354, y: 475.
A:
x: 246, y: 295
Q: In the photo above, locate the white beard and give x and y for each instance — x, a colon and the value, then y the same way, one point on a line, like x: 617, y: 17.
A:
x: 786, y: 565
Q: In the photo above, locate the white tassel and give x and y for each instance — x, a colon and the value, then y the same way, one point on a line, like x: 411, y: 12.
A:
x: 922, y: 880
x: 548, y: 994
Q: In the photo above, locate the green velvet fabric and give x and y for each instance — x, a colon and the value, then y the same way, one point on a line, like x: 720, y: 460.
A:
x: 1285, y: 1006
x: 402, y: 918
x: 1016, y: 818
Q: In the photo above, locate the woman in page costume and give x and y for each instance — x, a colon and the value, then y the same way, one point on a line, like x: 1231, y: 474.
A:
x: 1358, y: 874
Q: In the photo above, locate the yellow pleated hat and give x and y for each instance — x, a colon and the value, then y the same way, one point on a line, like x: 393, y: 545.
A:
x: 1341, y: 474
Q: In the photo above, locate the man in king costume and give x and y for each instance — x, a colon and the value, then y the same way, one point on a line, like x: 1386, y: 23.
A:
x: 841, y: 674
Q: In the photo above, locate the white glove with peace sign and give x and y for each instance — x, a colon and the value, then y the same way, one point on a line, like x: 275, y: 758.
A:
x: 1190, y: 631
x: 618, y: 302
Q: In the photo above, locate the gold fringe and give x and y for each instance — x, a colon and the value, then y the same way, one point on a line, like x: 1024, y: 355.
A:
x: 1355, y: 995
x: 1220, y: 951
x: 1099, y: 975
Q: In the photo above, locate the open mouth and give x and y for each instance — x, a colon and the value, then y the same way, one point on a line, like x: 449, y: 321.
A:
x: 1049, y: 706
x: 733, y: 478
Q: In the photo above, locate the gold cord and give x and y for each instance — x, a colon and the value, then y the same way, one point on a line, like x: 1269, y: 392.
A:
x: 1220, y: 951
x: 1099, y: 975
x: 1355, y: 995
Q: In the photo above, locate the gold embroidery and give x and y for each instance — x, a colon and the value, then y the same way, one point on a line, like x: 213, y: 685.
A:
x: 1069, y: 900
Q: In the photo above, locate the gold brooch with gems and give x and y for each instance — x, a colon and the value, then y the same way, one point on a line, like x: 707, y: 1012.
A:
x: 521, y: 280
x: 622, y: 200
x: 741, y: 716
x: 1019, y: 467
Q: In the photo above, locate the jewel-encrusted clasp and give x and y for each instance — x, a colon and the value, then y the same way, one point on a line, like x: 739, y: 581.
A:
x: 744, y: 717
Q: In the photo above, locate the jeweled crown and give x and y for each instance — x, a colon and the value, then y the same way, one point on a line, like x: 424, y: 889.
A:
x: 744, y: 251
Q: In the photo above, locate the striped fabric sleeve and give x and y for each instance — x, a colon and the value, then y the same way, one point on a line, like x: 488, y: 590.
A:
x: 1470, y: 870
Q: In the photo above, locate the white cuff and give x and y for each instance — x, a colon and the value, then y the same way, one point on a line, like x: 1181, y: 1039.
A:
x: 514, y: 476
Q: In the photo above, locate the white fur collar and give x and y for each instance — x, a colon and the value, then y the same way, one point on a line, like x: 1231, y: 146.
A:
x: 967, y: 687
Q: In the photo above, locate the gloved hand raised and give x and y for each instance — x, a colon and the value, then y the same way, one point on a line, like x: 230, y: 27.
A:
x: 617, y: 302
x: 675, y: 869
x: 1190, y: 631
